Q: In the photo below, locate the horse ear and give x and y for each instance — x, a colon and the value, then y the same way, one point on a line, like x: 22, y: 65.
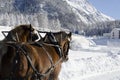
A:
x: 70, y: 34
x: 30, y: 26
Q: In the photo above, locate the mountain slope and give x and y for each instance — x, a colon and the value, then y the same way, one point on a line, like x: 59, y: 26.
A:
x: 87, y: 12
x: 75, y: 15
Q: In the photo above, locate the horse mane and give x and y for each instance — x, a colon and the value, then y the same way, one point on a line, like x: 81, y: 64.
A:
x: 20, y: 29
x: 17, y: 28
x: 58, y: 36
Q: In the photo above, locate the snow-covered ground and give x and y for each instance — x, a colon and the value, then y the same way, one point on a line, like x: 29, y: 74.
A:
x: 90, y: 59
x: 90, y: 65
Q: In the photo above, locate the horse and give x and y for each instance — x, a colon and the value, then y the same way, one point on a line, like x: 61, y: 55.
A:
x: 56, y: 38
x: 21, y: 33
x: 36, y: 61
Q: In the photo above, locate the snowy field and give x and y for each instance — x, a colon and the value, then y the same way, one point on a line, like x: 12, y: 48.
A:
x: 90, y: 59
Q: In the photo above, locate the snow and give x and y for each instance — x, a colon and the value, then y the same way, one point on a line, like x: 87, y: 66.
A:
x: 90, y: 58
x: 3, y: 28
x: 83, y: 8
x: 76, y: 4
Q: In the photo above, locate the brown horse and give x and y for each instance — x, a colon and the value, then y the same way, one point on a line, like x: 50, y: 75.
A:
x: 56, y: 38
x: 40, y: 60
x: 21, y: 33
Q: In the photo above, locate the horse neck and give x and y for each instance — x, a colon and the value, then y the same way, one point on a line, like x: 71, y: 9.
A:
x: 50, y: 50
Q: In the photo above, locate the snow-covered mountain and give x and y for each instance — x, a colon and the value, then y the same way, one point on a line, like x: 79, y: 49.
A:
x: 75, y: 15
x: 86, y: 12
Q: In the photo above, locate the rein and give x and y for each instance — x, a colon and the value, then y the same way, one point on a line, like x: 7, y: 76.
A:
x: 20, y: 47
x: 58, y: 49
x: 52, y: 67
x: 38, y: 75
x: 54, y: 43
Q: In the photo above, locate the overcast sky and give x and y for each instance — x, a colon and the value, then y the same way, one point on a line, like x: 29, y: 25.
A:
x: 108, y: 7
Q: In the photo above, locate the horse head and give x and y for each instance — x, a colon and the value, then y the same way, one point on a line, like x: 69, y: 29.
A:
x: 22, y: 33
x: 65, y: 44
x: 62, y: 39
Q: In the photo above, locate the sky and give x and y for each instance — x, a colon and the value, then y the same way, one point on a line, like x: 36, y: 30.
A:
x: 108, y: 7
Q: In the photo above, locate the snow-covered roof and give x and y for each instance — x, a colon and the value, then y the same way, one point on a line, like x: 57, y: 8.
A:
x: 116, y: 29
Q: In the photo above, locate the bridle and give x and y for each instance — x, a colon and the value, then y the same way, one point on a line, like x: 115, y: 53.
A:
x: 58, y: 45
x: 59, y: 50
x: 20, y: 48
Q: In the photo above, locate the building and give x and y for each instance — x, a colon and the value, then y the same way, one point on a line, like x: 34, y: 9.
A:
x: 115, y: 33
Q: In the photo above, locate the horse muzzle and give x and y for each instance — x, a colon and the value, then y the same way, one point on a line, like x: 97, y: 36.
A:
x: 65, y: 59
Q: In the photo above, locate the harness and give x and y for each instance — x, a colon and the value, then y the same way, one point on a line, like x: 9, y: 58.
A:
x: 58, y: 49
x: 56, y: 44
x: 37, y: 75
